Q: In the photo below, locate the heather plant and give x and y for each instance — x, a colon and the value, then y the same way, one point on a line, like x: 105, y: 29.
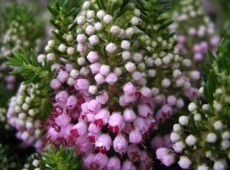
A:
x: 52, y: 159
x: 201, y: 139
x: 113, y: 77
x: 19, y: 29
x: 195, y: 35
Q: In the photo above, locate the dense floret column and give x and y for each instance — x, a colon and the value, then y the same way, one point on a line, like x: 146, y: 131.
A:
x: 21, y: 32
x: 201, y: 140
x: 116, y: 73
x: 196, y: 35
x: 26, y: 112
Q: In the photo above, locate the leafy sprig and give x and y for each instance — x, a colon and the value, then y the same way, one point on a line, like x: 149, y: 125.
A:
x: 63, y: 19
x: 62, y: 159
x: 30, y: 69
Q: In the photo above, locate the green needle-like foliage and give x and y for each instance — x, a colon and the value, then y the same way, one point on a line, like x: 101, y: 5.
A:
x: 30, y: 69
x: 8, y: 161
x: 63, y: 159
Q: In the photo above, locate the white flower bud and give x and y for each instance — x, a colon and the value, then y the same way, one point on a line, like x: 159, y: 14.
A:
x: 81, y: 61
x: 35, y: 163
x: 62, y: 48
x: 150, y: 61
x: 176, y: 127
x: 174, y: 137
x: 225, y: 144
x: 70, y: 50
x: 184, y: 162
x: 50, y: 56
x: 125, y: 44
x: 151, y: 73
x: 176, y: 73
x: 205, y: 107
x: 28, y: 100
x: 201, y: 90
x: 130, y: 67
x: 25, y: 106
x: 74, y: 73
x: 183, y: 120
x: 220, y: 165
x: 218, y: 125
x: 137, y: 57
x: 70, y: 81
x: 118, y: 71
x: 51, y: 43
x: 121, y: 33
x: 135, y: 21
x: 208, y: 154
x: 31, y: 112
x: 17, y: 109
x: 217, y: 106
x: 93, y: 89
x: 29, y: 125
x: 137, y: 12
x: 98, y: 26
x: 84, y: 71
x: 92, y: 56
x: 115, y: 30
x: 93, y: 39
x: 80, y: 20
x: 192, y: 107
x: 111, y: 48
x: 191, y: 140
x: 100, y: 79
x: 211, y: 138
x: 90, y: 14
x: 155, y: 91
x: 129, y: 32
x: 81, y: 38
x: 105, y: 70
x: 202, y: 167
x: 126, y: 55
x: 178, y: 146
x: 90, y: 30
x: 47, y: 49
x: 225, y: 135
x: 41, y: 58
x: 108, y: 19
x: 69, y: 38
x: 25, y: 135
x: 166, y: 83
x: 100, y: 14
x: 158, y: 62
x: 197, y: 117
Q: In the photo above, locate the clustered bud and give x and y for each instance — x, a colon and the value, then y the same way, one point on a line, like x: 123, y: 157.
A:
x: 195, y: 36
x: 205, y: 131
x: 24, y: 110
x: 114, y: 89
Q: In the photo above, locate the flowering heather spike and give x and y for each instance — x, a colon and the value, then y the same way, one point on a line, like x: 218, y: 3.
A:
x: 26, y: 111
x: 124, y: 72
x: 206, y: 129
x: 19, y: 30
x: 195, y: 36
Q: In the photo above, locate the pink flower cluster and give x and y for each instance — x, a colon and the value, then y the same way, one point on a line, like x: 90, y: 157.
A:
x: 196, y: 35
x: 89, y: 122
x: 112, y: 89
